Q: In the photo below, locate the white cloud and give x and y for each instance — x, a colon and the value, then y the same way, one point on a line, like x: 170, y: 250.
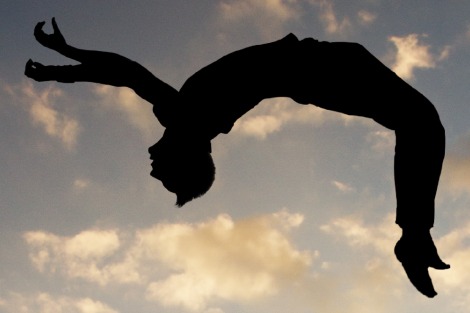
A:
x: 81, y: 183
x: 382, y: 141
x: 235, y: 261
x: 411, y: 54
x: 272, y: 115
x: 46, y: 303
x: 366, y: 17
x: 225, y: 259
x: 456, y: 173
x: 280, y: 9
x: 92, y: 245
x: 329, y: 18
x: 80, y: 256
x: 41, y: 109
x: 377, y: 278
x: 137, y: 111
x: 259, y: 126
x: 267, y: 16
x: 191, y: 266
x: 381, y: 238
x: 343, y: 187
x: 456, y: 169
x: 455, y: 250
x: 214, y: 310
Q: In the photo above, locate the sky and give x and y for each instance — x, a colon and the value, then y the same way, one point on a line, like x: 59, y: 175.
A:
x: 301, y: 215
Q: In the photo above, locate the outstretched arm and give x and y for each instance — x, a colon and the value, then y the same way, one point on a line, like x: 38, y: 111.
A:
x: 104, y: 68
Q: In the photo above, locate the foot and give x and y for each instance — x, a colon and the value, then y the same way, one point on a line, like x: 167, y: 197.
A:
x: 54, y: 41
x: 417, y: 253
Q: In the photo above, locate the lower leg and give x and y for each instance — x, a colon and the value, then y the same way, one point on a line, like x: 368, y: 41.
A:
x: 419, y: 155
x: 418, y: 161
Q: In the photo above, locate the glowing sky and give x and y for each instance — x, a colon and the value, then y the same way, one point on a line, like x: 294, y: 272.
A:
x: 301, y: 215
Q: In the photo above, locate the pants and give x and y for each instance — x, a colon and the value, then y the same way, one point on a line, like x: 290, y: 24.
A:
x: 351, y: 80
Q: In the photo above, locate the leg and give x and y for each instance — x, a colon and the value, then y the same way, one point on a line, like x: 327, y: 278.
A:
x: 354, y: 82
x: 419, y: 153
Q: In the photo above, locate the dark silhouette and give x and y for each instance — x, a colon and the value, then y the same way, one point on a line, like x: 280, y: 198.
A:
x: 342, y: 77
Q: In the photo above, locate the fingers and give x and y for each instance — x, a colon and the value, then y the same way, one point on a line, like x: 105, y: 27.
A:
x: 40, y: 35
x: 54, y: 41
x: 34, y: 70
x: 54, y: 26
x: 32, y: 64
x: 419, y: 277
x: 38, y: 29
x: 39, y: 26
x: 28, y: 67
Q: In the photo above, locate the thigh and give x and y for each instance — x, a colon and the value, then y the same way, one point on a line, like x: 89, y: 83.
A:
x: 346, y: 78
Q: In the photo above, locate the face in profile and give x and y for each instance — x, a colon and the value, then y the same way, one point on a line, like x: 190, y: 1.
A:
x: 183, y: 167
x: 162, y: 163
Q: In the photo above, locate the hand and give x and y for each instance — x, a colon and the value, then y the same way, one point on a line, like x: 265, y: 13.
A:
x: 53, y: 41
x: 417, y: 253
x: 35, y: 70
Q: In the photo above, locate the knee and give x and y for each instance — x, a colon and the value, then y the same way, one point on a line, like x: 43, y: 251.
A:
x: 429, y: 118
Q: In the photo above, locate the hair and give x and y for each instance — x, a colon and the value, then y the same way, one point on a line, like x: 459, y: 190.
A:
x: 195, y: 178
x: 185, y: 164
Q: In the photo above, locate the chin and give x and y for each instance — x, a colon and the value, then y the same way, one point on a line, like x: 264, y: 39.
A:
x: 156, y: 172
x: 169, y: 186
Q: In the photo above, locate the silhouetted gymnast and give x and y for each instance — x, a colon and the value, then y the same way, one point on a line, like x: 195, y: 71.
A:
x: 342, y: 77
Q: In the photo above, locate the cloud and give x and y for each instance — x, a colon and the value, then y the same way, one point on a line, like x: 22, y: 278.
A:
x: 411, y: 54
x: 41, y: 109
x: 454, y: 248
x: 81, y: 184
x: 235, y: 261
x: 80, y: 256
x: 456, y: 168
x: 376, y: 241
x: 280, y: 9
x: 382, y: 141
x: 217, y: 259
x: 268, y: 16
x: 381, y: 237
x: 271, y: 115
x: 44, y: 302
x: 329, y: 18
x: 374, y: 275
x: 456, y: 173
x: 343, y: 187
x: 192, y: 266
x: 366, y: 17
x: 136, y: 111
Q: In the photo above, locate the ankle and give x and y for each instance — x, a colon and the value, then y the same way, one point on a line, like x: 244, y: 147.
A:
x: 416, y: 233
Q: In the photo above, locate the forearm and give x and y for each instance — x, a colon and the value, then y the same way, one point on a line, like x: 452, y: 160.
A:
x: 103, y: 68
x: 109, y: 69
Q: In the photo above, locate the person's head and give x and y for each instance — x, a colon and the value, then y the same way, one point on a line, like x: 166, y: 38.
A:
x: 183, y: 164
